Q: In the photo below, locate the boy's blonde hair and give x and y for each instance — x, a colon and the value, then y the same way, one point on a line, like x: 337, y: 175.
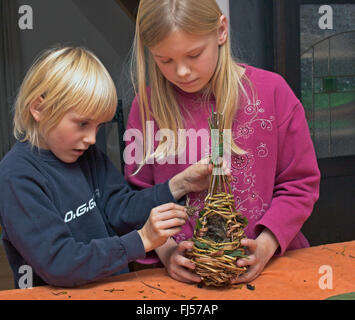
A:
x: 66, y: 78
x: 156, y: 19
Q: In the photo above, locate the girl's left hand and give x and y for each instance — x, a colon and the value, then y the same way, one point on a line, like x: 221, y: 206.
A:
x: 261, y: 250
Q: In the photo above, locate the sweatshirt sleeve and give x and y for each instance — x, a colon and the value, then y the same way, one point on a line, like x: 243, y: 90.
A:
x: 134, y: 145
x: 127, y: 209
x: 37, y: 231
x: 296, y: 186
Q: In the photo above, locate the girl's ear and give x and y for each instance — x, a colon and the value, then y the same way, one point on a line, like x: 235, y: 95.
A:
x: 35, y: 109
x: 223, y: 30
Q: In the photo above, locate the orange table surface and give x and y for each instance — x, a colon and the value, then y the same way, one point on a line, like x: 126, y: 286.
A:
x: 308, y: 274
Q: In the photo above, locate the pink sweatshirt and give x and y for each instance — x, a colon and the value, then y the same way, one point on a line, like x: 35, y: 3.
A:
x: 276, y: 183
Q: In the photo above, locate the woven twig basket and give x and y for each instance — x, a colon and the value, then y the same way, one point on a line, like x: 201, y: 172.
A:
x: 219, y: 228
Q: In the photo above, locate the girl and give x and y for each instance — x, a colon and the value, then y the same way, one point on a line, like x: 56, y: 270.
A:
x: 273, y: 163
x: 64, y: 208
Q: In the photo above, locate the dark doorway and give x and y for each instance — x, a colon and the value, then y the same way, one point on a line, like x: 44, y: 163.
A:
x: 316, y: 55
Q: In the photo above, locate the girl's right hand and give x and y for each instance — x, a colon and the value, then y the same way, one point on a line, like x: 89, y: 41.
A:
x: 164, y: 222
x: 178, y: 266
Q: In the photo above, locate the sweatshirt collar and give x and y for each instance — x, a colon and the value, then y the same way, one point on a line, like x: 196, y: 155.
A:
x: 46, y: 155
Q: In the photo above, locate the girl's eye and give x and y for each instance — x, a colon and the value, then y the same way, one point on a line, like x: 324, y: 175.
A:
x: 195, y: 56
x: 166, y: 61
x: 83, y: 124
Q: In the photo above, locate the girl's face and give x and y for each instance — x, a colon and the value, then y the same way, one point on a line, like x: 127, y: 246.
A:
x: 189, y: 61
x: 72, y: 136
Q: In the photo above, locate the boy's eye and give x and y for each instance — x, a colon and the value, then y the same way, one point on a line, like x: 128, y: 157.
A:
x: 83, y: 124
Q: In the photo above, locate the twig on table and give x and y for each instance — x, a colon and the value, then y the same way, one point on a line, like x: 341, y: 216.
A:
x: 150, y: 286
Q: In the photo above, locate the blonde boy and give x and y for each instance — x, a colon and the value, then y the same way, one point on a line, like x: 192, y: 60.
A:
x: 65, y: 210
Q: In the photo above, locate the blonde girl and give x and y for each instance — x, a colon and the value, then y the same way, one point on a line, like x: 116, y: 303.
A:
x: 184, y: 47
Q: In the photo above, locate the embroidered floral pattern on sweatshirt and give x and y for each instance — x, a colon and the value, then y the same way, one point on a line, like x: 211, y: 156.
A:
x: 247, y: 199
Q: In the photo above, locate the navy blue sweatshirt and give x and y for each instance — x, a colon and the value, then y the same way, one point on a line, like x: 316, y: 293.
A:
x: 72, y: 223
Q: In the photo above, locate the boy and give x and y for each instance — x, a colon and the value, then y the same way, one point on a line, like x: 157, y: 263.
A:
x: 64, y: 208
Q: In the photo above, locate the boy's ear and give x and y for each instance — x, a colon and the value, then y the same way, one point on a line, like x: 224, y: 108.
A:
x: 223, y: 30
x: 35, y: 109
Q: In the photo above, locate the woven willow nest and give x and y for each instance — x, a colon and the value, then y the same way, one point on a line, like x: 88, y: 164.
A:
x: 219, y: 230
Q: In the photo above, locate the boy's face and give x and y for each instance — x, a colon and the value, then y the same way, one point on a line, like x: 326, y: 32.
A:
x: 72, y: 136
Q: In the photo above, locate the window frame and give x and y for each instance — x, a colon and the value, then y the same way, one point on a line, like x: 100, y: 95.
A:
x: 287, y: 62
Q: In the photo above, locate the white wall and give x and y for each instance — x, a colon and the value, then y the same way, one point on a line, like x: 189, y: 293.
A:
x: 224, y: 5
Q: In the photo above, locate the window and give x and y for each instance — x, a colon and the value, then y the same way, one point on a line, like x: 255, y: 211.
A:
x: 327, y: 56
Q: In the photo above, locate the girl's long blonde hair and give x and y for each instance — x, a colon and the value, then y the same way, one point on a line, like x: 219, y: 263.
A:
x: 65, y: 78
x: 156, y: 19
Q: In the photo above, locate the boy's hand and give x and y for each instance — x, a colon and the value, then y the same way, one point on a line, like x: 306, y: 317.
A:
x: 164, y: 222
x: 261, y: 250
x: 194, y: 178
